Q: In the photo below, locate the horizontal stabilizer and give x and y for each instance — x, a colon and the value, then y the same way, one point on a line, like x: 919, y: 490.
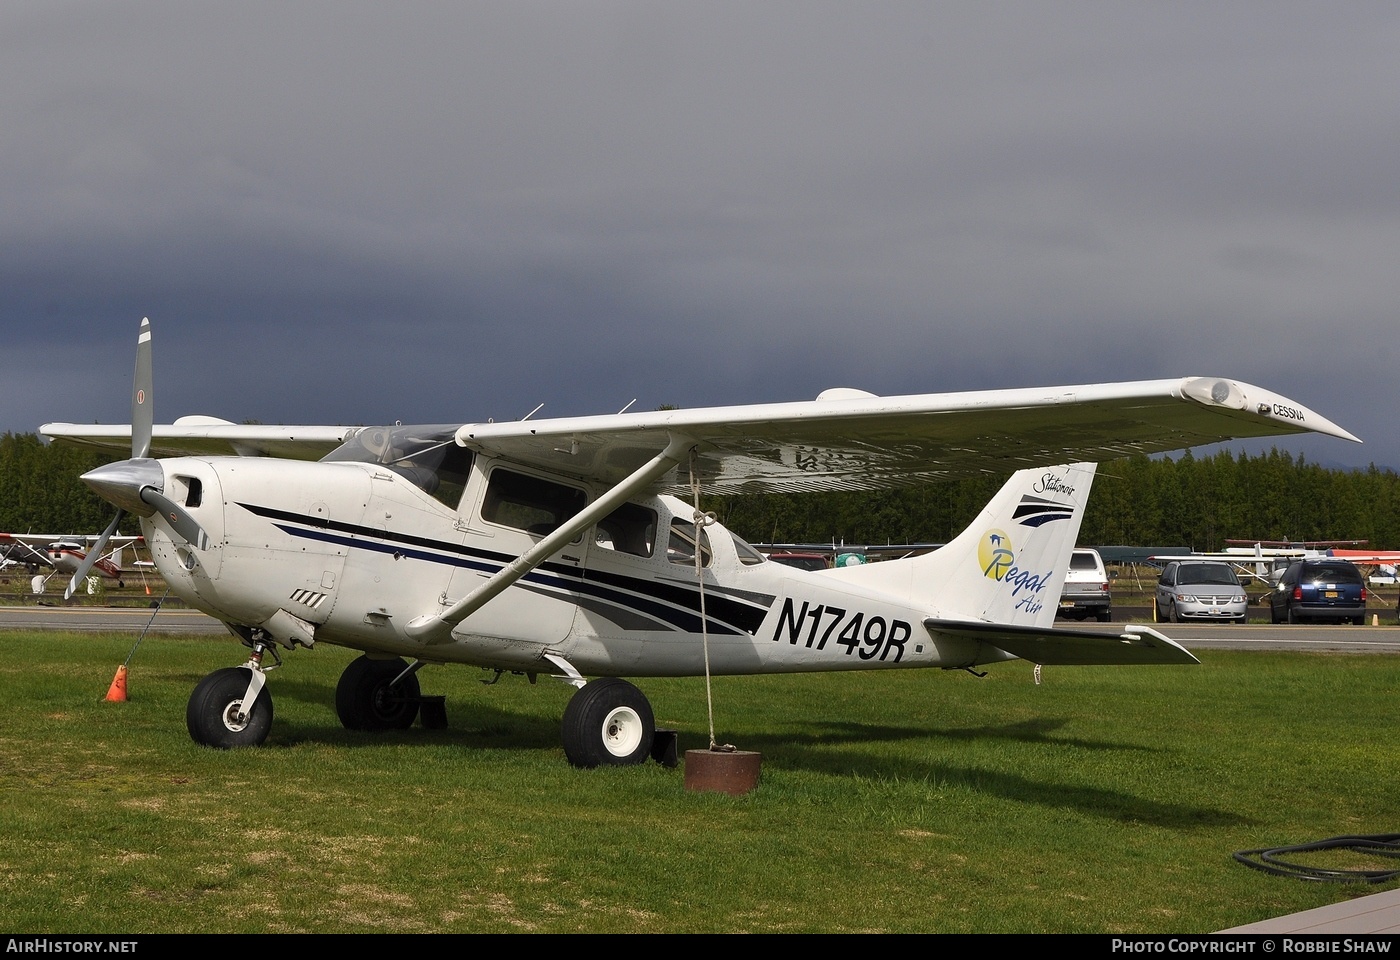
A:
x: 1136, y: 645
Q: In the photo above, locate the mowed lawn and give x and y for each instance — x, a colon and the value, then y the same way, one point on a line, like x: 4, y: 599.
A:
x: 1101, y: 800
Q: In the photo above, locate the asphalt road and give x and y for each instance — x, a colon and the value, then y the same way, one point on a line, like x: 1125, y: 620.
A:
x: 107, y: 619
x: 1253, y: 636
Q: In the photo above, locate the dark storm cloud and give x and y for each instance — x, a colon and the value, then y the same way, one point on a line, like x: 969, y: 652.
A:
x: 348, y: 212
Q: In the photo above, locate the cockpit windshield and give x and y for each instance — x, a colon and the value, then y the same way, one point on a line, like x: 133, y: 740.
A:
x: 428, y: 456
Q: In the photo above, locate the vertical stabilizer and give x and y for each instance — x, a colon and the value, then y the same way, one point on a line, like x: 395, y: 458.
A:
x: 1009, y: 564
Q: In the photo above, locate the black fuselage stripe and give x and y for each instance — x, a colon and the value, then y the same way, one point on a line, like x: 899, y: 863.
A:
x: 657, y: 600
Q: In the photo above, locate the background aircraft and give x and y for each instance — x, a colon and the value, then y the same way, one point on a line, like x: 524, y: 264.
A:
x: 65, y: 554
x: 1266, y: 560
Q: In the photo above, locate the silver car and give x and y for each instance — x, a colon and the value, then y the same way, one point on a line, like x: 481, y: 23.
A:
x: 1199, y: 590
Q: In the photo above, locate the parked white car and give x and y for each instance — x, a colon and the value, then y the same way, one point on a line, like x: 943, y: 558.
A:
x: 1086, y: 593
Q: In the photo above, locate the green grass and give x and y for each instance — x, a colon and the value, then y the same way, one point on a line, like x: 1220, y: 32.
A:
x: 1102, y: 800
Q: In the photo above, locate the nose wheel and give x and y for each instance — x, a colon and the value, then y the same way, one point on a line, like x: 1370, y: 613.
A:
x: 230, y: 708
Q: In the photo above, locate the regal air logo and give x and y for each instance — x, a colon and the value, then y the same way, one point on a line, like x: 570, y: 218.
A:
x: 998, y: 559
x: 995, y: 554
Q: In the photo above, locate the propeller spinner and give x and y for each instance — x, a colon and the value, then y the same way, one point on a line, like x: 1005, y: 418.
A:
x: 137, y: 485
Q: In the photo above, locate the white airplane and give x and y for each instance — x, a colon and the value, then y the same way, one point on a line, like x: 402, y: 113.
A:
x: 1266, y: 560
x: 64, y: 554
x: 573, y: 547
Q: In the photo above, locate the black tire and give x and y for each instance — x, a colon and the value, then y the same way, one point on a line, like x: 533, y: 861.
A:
x: 366, y: 697
x: 1105, y: 615
x: 1293, y: 616
x: 1171, y: 615
x: 608, y: 723
x: 1241, y: 621
x: 212, y: 713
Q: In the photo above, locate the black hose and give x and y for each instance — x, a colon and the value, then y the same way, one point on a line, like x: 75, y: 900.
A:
x: 1270, y: 860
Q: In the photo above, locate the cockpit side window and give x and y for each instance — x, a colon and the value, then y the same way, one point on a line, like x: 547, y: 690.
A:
x: 681, y: 548
x: 630, y: 528
x: 529, y: 503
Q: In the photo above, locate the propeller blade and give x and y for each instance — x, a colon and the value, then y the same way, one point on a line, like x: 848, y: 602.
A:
x: 136, y: 485
x: 90, y: 558
x: 142, y: 415
x: 180, y: 521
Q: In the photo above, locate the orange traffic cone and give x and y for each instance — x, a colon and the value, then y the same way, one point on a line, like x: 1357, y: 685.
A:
x: 117, y: 691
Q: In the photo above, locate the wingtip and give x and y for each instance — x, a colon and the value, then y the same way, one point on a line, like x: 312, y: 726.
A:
x: 1289, y: 415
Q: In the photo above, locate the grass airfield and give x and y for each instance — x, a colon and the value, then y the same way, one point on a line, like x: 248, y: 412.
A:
x: 1101, y: 800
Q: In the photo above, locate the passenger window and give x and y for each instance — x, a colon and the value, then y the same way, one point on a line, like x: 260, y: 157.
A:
x: 681, y: 548
x: 537, y: 506
x: 628, y: 529
x: 748, y: 554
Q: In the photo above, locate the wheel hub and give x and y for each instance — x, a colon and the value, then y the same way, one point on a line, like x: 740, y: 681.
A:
x: 622, y: 731
x: 234, y: 717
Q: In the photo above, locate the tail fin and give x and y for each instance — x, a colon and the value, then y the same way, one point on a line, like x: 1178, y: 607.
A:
x: 1008, y: 566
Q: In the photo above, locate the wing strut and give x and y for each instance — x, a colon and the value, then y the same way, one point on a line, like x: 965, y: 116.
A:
x: 437, y: 628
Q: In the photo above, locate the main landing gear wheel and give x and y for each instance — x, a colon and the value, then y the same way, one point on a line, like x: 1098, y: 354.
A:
x: 215, y: 715
x: 608, y: 723
x: 368, y: 699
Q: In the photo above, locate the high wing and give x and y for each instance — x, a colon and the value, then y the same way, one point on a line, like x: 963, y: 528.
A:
x: 207, y: 436
x: 1366, y: 556
x: 68, y: 539
x: 844, y: 440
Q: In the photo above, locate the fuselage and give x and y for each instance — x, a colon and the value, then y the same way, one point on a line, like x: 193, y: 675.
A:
x: 349, y: 552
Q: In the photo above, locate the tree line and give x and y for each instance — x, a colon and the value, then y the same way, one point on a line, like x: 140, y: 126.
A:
x: 40, y: 491
x: 1198, y: 502
x: 1137, y: 501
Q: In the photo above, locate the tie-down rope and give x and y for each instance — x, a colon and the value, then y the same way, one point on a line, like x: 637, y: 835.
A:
x: 702, y: 519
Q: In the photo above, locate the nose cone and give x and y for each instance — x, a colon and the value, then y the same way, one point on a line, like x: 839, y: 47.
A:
x: 121, y: 483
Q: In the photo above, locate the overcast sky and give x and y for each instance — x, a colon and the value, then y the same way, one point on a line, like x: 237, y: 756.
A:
x: 352, y: 212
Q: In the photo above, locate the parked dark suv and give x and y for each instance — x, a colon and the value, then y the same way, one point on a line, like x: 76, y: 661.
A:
x: 1319, y: 590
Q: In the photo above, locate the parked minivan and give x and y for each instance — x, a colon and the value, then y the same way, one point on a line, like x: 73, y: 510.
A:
x: 1320, y: 589
x: 1199, y: 590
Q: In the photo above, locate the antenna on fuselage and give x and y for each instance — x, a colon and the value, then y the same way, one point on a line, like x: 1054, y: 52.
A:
x: 531, y: 414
